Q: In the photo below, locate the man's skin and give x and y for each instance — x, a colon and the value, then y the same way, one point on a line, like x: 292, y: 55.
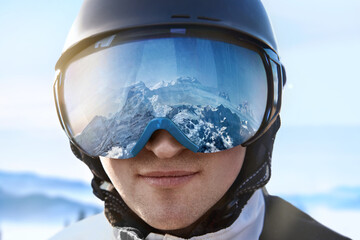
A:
x: 169, y: 186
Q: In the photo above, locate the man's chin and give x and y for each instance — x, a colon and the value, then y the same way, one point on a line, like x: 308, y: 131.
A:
x: 169, y: 218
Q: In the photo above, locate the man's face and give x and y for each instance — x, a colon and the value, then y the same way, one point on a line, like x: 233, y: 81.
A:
x: 169, y: 186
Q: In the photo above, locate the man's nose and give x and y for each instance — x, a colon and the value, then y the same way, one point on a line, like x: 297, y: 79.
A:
x: 164, y: 145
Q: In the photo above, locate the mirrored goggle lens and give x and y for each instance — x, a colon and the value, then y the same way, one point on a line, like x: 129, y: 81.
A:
x: 214, y: 92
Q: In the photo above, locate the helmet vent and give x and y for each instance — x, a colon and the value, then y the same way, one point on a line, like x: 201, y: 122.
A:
x: 209, y: 19
x: 180, y: 16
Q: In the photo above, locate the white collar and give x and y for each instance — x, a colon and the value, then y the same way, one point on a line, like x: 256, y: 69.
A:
x: 248, y: 225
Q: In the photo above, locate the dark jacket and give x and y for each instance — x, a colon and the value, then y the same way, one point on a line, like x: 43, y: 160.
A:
x: 283, y: 221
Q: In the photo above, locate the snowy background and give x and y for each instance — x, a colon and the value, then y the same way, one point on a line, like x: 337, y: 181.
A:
x: 315, y: 162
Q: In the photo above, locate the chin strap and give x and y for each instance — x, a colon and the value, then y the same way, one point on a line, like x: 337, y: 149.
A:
x: 254, y: 174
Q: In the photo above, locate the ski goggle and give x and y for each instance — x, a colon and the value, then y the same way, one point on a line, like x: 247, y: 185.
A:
x: 210, y: 94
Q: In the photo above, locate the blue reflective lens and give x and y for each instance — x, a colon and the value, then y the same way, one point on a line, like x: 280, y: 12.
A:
x: 214, y: 93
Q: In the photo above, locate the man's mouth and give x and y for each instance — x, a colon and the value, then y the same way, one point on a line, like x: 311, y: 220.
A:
x: 168, y: 179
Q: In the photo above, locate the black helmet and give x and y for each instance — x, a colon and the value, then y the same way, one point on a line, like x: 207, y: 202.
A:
x: 97, y: 19
x: 247, y: 19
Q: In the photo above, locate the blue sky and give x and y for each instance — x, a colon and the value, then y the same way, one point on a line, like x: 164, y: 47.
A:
x: 319, y: 43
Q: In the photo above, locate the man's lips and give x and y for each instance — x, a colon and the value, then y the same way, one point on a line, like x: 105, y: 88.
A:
x: 167, y: 173
x: 167, y: 179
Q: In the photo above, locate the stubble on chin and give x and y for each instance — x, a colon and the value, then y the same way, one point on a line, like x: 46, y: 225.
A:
x: 172, y: 210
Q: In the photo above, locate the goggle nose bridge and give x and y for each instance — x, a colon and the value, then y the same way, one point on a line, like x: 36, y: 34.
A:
x: 165, y: 124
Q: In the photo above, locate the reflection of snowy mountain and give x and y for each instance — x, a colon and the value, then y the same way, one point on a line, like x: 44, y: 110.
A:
x: 117, y: 126
x: 180, y: 81
x: 206, y: 116
x: 211, y: 125
x: 245, y: 109
x: 224, y: 95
